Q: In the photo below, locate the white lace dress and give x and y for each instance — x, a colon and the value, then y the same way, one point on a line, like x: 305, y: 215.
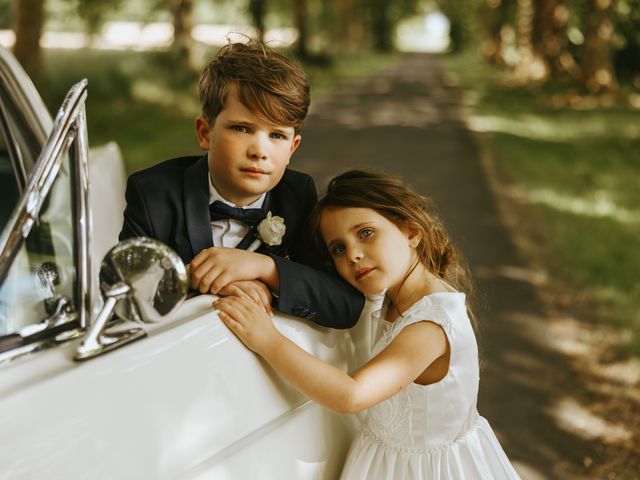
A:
x: 435, y: 431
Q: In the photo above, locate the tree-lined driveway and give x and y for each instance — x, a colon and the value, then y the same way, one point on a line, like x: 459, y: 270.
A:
x: 405, y: 120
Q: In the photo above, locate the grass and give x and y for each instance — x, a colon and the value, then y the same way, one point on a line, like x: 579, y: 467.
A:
x: 147, y: 102
x: 578, y: 174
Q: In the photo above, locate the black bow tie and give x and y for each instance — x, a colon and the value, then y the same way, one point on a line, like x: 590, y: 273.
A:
x: 250, y: 216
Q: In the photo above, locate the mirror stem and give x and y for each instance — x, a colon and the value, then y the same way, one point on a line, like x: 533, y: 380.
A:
x: 96, y: 342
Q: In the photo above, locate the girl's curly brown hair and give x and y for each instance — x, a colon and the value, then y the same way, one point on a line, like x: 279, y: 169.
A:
x: 395, y: 200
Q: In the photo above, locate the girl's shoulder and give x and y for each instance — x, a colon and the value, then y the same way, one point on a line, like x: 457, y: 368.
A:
x: 438, y: 307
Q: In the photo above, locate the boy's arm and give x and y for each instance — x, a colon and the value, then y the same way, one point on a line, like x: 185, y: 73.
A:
x: 307, y: 289
x: 317, y: 295
x: 136, y: 218
x: 302, y: 291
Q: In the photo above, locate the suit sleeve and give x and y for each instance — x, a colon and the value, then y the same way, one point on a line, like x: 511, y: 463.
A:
x: 317, y: 295
x: 309, y: 291
x: 136, y: 216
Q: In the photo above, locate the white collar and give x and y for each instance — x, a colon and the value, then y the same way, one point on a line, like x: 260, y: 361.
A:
x: 214, y: 195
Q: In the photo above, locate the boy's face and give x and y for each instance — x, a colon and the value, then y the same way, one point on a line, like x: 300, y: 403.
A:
x: 247, y: 156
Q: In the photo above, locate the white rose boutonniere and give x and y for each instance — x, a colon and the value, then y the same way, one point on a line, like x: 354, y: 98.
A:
x: 271, y: 230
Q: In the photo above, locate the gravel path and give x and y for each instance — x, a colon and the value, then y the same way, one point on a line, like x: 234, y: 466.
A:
x: 405, y: 120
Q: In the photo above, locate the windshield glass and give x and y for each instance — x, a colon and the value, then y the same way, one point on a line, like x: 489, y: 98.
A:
x: 43, y: 270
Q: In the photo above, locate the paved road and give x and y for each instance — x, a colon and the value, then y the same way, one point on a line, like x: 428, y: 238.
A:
x: 405, y: 121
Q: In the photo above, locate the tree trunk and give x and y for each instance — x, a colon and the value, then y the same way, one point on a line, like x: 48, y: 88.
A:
x: 257, y: 9
x: 300, y: 21
x: 493, y: 18
x: 382, y: 26
x: 598, y: 75
x: 182, y: 11
x: 550, y: 36
x: 350, y: 25
x: 28, y: 28
x: 530, y: 66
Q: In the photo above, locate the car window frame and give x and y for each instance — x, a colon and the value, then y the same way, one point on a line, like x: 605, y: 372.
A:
x: 68, y: 136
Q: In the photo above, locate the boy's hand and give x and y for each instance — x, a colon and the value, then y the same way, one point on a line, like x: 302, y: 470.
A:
x: 249, y: 322
x: 214, y: 268
x: 250, y: 289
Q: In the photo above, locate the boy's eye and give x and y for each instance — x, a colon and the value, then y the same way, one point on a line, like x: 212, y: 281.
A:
x: 337, y: 250
x: 240, y: 128
x: 365, y: 233
x: 278, y: 136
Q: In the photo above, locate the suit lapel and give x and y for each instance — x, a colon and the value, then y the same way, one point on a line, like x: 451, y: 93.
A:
x: 196, y: 204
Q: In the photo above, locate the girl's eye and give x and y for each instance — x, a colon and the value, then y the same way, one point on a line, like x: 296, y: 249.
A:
x: 365, y: 233
x: 337, y: 250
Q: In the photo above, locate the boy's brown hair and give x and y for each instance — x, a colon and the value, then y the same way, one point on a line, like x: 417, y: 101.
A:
x: 269, y: 84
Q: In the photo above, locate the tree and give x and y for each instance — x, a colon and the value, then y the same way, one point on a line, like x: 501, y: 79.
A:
x: 182, y: 11
x: 350, y: 24
x: 257, y: 10
x: 29, y: 21
x: 530, y: 64
x: 93, y: 12
x: 598, y: 75
x: 494, y: 15
x: 382, y: 25
x: 300, y: 21
x: 463, y: 23
x: 550, y: 36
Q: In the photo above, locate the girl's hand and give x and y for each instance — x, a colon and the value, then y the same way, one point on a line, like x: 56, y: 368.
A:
x: 249, y: 322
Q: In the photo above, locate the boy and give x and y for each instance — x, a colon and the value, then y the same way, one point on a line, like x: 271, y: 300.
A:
x: 237, y: 196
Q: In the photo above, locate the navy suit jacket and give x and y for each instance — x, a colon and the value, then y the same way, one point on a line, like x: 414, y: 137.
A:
x: 170, y: 202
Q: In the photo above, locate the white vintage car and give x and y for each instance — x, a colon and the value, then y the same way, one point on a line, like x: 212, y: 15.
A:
x: 79, y: 398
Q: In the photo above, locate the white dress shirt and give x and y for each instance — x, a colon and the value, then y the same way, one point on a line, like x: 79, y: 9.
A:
x: 229, y: 232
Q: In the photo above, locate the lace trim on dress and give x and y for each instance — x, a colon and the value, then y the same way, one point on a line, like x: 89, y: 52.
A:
x: 365, y: 431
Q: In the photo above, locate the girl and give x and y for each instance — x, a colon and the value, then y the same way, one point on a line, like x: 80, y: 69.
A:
x: 421, y: 384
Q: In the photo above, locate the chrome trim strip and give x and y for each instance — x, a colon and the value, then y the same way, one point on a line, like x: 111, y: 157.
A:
x: 84, y: 228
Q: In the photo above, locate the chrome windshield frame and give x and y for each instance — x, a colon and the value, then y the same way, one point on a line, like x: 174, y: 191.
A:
x: 69, y: 134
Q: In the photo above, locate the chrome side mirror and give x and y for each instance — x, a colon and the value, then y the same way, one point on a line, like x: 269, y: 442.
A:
x: 142, y: 280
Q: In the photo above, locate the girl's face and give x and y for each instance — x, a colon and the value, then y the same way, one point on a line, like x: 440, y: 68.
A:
x: 369, y: 251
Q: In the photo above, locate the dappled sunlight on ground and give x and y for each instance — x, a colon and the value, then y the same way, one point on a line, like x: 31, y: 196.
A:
x: 512, y: 272
x: 597, y: 204
x: 575, y: 418
x: 535, y: 127
x: 419, y: 114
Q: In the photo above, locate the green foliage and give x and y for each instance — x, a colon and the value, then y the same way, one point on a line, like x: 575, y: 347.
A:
x: 577, y: 172
x: 464, y: 22
x: 627, y: 56
x: 93, y: 12
x: 6, y: 14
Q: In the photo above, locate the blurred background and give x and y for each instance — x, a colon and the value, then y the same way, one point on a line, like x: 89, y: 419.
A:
x: 549, y: 88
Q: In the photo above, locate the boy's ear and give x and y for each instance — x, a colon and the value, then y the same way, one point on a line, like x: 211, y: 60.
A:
x: 202, y: 132
x: 295, y: 144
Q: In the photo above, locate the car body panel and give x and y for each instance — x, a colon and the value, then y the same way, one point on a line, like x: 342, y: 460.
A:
x: 187, y: 402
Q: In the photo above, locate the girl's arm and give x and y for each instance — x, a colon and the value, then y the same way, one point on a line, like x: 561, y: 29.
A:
x: 399, y: 364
